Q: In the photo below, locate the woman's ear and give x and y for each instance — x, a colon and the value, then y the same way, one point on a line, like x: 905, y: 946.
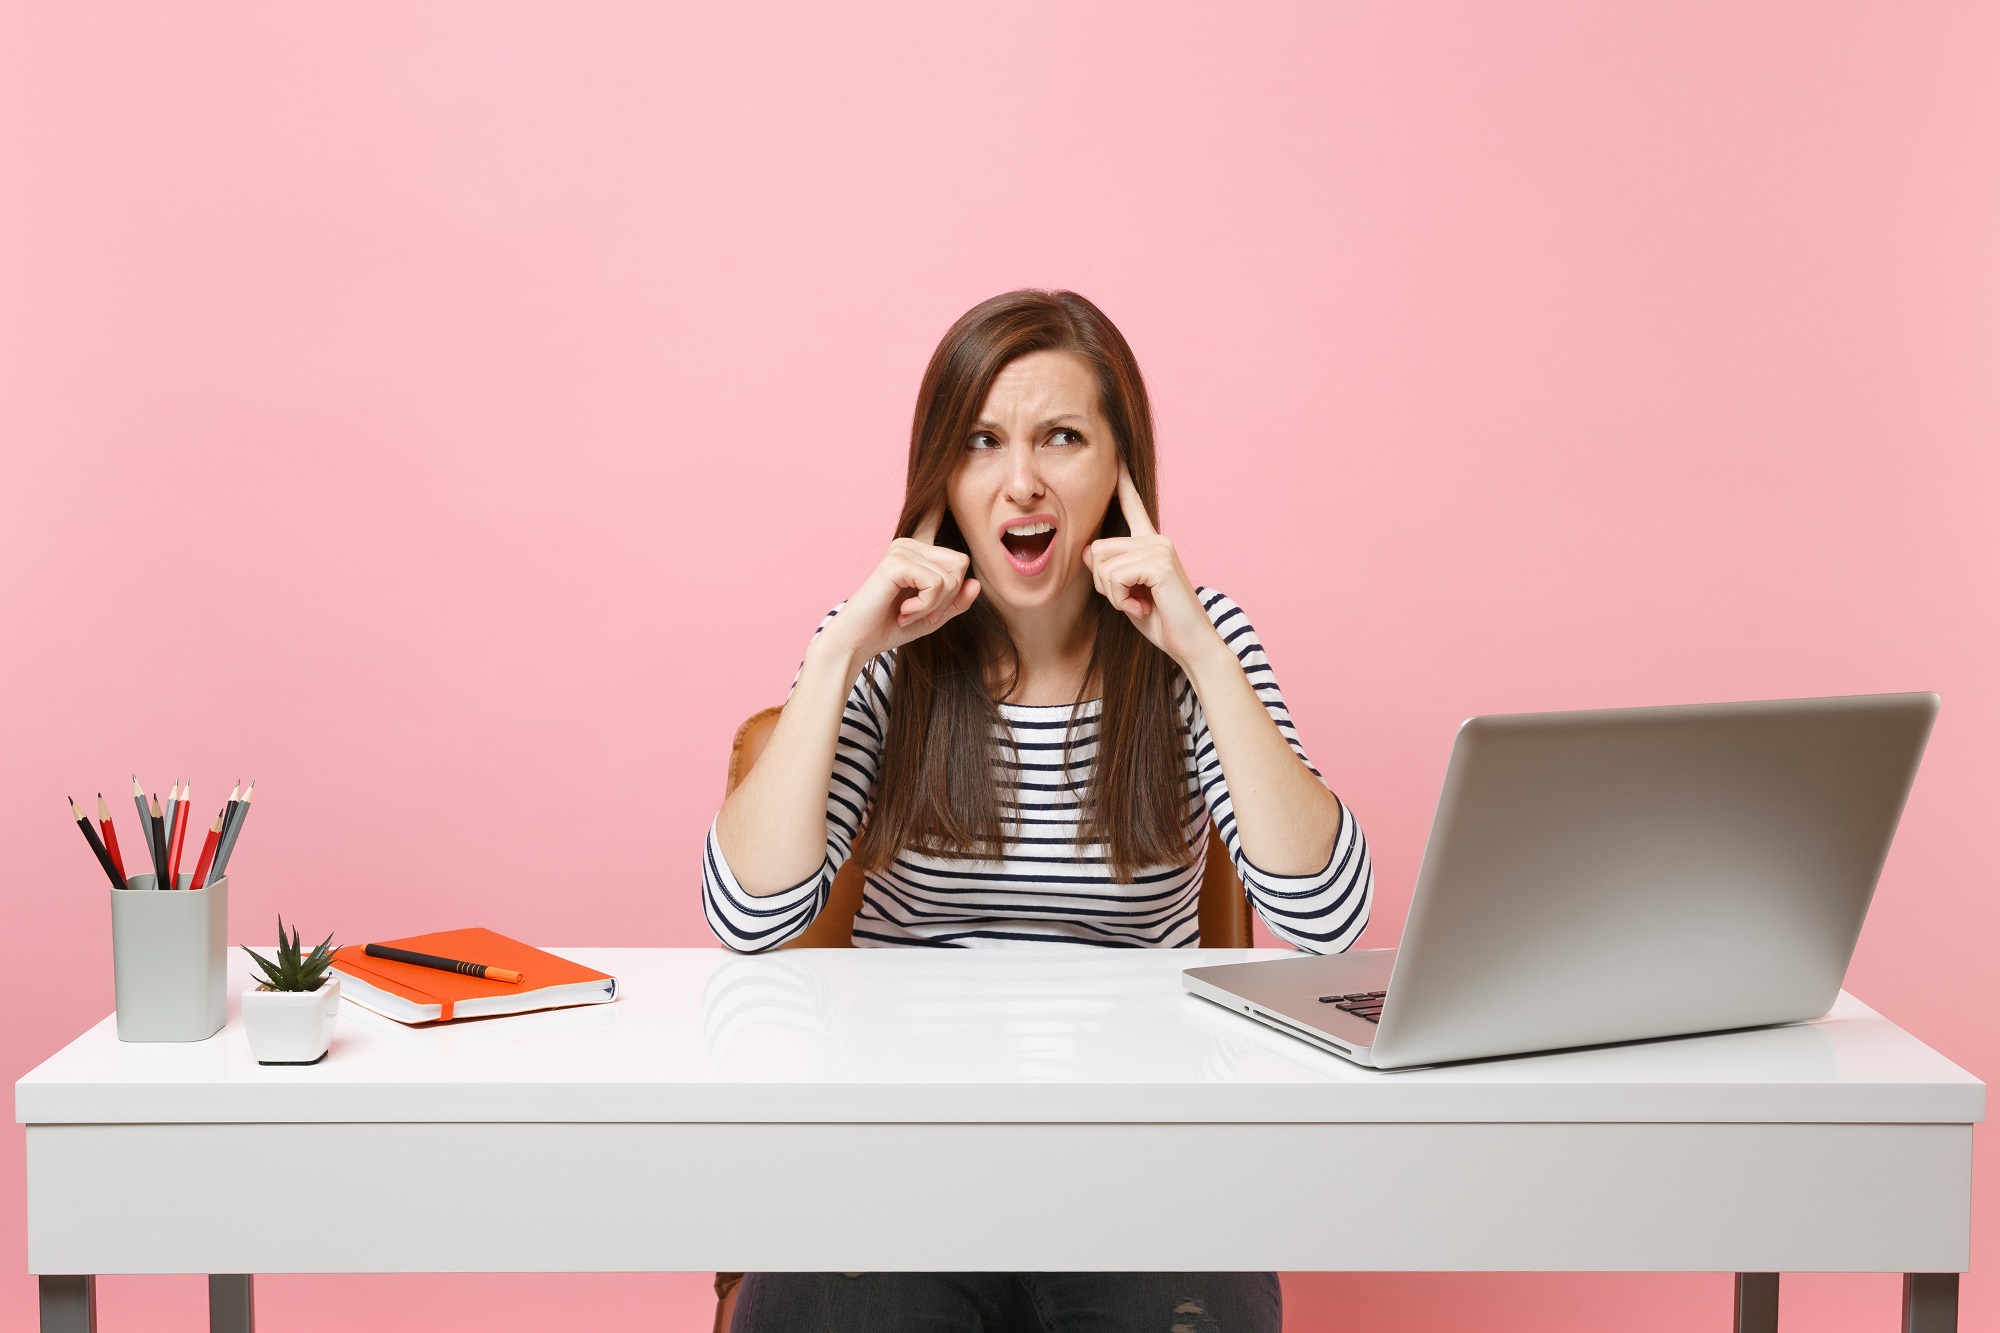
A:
x: 949, y: 536
x: 1114, y: 524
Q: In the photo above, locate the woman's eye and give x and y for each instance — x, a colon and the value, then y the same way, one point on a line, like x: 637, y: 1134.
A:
x: 982, y: 441
x: 1066, y: 437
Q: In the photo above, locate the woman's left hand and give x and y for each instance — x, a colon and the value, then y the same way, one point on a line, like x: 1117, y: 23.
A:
x: 1141, y: 575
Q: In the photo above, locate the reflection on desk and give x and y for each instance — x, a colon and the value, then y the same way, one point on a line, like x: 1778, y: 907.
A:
x: 1040, y: 1016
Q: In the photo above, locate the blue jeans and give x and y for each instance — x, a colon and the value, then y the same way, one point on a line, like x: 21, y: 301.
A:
x: 1009, y: 1302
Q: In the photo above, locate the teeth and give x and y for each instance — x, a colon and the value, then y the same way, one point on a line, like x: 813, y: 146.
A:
x: 1030, y: 529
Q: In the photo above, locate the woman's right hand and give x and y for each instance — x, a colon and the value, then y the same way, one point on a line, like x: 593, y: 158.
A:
x: 917, y: 587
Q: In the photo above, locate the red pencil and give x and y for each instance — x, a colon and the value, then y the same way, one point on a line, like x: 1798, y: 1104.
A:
x: 174, y: 849
x: 110, y: 834
x: 207, y: 854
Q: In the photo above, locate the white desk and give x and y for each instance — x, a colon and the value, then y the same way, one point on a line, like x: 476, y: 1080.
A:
x: 1045, y: 1110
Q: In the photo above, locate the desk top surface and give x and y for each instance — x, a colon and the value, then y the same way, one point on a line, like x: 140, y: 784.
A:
x: 922, y: 1035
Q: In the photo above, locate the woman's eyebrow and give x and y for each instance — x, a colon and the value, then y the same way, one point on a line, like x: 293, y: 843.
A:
x: 1041, y: 425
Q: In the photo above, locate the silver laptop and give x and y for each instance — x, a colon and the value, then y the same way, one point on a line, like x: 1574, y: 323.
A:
x: 1616, y: 875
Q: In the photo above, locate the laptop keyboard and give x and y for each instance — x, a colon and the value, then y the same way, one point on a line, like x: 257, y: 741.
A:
x: 1362, y: 1003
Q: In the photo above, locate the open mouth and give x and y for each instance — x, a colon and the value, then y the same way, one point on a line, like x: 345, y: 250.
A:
x: 1028, y: 544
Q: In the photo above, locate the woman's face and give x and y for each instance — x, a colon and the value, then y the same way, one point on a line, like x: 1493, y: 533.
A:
x: 1037, y: 474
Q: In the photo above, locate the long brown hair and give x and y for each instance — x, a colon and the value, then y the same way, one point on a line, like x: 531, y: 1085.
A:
x: 937, y: 786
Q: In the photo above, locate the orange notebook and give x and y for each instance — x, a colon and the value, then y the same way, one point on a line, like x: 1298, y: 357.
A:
x: 412, y: 994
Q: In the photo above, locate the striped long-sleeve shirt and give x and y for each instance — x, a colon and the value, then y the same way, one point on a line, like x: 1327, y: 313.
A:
x: 1046, y: 888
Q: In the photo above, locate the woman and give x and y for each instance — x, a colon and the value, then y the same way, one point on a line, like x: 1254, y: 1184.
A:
x: 1023, y: 722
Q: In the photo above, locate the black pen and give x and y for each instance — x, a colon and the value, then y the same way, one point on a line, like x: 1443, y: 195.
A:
x: 441, y: 964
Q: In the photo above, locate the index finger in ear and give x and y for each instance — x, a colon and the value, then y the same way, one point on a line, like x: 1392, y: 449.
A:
x: 1134, y: 505
x: 927, y: 527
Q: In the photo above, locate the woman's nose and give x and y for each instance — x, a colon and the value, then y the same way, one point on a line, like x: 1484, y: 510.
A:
x: 1024, y: 477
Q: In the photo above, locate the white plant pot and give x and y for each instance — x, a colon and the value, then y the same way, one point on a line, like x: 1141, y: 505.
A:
x: 290, y: 1027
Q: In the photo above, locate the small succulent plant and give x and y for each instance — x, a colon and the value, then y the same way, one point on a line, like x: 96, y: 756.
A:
x: 292, y: 972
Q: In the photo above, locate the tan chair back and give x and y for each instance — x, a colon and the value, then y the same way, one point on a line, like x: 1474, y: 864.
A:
x: 1223, y: 910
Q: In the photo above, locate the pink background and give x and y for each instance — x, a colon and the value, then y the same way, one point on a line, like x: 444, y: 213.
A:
x: 457, y: 416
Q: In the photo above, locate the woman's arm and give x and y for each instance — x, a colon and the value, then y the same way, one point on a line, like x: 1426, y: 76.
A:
x: 1322, y: 905
x: 1300, y: 854
x: 773, y: 829
x: 752, y: 917
x: 780, y: 837
x: 1285, y: 816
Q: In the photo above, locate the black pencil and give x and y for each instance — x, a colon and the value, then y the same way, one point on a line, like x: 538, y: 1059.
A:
x: 96, y: 845
x: 230, y: 816
x: 159, y: 827
x: 228, y: 821
x: 232, y: 831
x: 156, y: 831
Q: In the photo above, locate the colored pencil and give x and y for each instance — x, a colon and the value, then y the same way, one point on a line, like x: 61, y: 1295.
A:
x: 146, y: 830
x: 234, y: 831
x: 159, y: 825
x: 110, y: 836
x: 207, y: 854
x: 441, y: 964
x: 173, y: 804
x: 158, y: 808
x: 97, y: 847
x: 179, y: 825
x: 229, y: 818
x: 156, y: 831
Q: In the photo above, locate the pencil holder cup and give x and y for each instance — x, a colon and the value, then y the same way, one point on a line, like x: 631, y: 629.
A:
x: 168, y: 954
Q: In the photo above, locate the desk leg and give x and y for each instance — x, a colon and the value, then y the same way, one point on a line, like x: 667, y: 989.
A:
x: 230, y: 1308
x: 1930, y: 1303
x: 69, y: 1304
x: 1756, y: 1303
